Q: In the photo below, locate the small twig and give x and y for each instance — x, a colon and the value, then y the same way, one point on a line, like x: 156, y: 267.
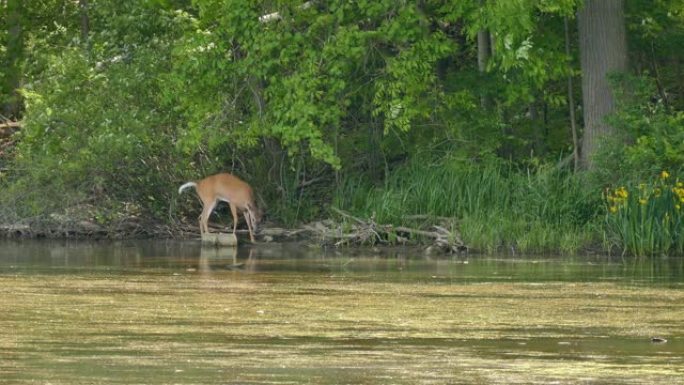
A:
x: 309, y: 182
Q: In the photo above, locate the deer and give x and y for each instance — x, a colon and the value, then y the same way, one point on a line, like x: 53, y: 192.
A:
x: 227, y: 188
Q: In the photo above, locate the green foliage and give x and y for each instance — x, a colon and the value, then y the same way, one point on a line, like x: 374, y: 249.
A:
x: 408, y: 89
x: 651, y: 135
x: 657, y: 34
x: 529, y: 46
x: 373, y: 105
x: 93, y: 118
x: 296, y: 78
x: 658, y: 134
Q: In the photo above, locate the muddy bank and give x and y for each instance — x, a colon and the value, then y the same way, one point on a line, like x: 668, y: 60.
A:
x: 435, y: 235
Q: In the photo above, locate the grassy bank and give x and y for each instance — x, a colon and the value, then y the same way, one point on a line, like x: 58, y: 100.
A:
x: 494, y: 205
x: 497, y: 206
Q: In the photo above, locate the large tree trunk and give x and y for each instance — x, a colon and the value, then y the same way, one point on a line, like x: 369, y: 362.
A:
x: 603, y: 50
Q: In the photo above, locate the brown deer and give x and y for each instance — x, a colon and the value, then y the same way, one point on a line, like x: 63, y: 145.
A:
x: 227, y: 188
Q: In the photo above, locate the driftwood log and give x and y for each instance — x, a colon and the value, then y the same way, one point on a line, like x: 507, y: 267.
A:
x: 8, y: 128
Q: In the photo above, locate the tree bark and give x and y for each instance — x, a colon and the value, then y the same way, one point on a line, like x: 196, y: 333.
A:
x: 603, y: 50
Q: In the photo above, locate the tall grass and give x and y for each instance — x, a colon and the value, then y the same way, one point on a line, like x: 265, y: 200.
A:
x: 497, y: 206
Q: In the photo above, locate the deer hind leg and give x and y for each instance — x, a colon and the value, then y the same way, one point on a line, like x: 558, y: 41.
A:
x: 249, y: 216
x: 207, y: 208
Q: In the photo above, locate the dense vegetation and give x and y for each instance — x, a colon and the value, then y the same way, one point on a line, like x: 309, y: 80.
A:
x: 390, y: 109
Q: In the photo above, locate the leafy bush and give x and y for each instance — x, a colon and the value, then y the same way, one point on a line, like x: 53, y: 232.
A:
x: 650, y: 135
x: 94, y: 133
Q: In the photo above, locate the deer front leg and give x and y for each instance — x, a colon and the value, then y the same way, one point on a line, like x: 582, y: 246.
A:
x: 233, y: 210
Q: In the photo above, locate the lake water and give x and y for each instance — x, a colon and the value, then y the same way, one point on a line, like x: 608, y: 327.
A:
x: 172, y: 312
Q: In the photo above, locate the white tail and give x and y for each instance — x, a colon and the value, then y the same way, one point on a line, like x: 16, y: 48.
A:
x: 228, y: 188
x: 187, y: 185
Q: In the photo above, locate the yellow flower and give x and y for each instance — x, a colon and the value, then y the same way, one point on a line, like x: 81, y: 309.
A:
x: 613, y: 209
x: 678, y: 207
x: 664, y: 175
x: 642, y: 201
x: 621, y: 192
x: 679, y: 191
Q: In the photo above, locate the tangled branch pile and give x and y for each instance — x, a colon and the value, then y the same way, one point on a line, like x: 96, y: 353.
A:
x: 443, y: 237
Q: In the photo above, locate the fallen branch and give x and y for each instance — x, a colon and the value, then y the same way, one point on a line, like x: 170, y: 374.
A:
x: 10, y: 124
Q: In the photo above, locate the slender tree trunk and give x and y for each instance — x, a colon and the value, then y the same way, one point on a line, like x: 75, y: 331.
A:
x: 603, y: 50
x: 680, y: 75
x: 85, y: 20
x: 375, y: 169
x: 538, y: 126
x: 15, y: 49
x: 484, y: 53
x: 571, y: 102
x: 658, y: 79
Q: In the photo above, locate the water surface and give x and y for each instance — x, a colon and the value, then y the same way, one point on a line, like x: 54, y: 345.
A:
x: 158, y: 312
